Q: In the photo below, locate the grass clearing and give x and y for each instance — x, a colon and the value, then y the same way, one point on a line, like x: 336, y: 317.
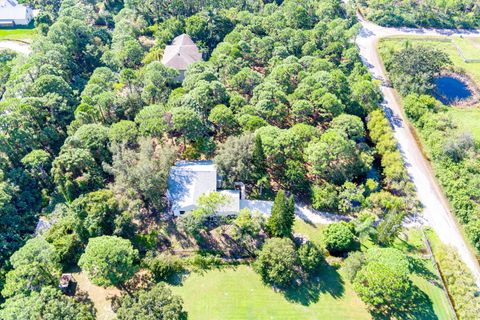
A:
x: 238, y: 293
x: 20, y: 34
x: 311, y: 230
x: 469, y: 46
x: 467, y: 120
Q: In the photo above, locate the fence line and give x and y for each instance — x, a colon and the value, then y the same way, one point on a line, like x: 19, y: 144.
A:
x: 439, y: 39
x: 439, y: 273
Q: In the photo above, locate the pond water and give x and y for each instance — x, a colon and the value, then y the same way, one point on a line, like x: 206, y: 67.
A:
x: 449, y: 90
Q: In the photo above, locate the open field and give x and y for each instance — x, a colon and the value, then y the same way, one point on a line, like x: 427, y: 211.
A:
x: 470, y: 47
x: 21, y: 34
x: 467, y: 119
x: 238, y: 293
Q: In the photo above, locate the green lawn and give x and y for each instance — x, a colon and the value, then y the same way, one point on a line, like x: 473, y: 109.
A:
x: 23, y: 34
x: 469, y: 46
x: 239, y: 293
x: 312, y: 231
x: 467, y: 119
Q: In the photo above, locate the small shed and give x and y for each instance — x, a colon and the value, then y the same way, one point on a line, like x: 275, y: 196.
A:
x: 67, y: 284
x: 180, y: 54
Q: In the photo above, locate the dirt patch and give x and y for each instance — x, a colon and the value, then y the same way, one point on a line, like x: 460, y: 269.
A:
x: 101, y: 297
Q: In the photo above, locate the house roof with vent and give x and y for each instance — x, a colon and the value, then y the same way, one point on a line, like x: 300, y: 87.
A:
x: 181, y: 53
x: 11, y: 10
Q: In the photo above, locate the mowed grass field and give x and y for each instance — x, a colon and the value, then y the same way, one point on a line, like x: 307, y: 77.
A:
x: 238, y: 293
x: 233, y: 293
x: 21, y: 34
x: 470, y: 46
x: 467, y: 119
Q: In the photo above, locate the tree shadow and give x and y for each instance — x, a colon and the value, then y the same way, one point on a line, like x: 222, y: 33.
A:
x: 177, y: 279
x: 183, y: 239
x: 406, y: 246
x: 419, y: 308
x: 327, y: 281
x: 418, y: 267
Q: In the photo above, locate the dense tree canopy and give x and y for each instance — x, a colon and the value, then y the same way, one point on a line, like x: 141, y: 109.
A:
x: 109, y: 260
x: 463, y: 14
x: 92, y: 121
x: 157, y: 303
x: 413, y: 68
x: 49, y: 303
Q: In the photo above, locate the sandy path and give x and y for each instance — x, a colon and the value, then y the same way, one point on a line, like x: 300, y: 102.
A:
x: 17, y: 46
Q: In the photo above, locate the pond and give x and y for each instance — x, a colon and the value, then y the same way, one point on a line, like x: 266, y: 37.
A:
x: 450, y: 90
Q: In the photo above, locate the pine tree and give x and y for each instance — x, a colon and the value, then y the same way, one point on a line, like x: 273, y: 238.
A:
x: 258, y: 158
x: 280, y: 223
x: 290, y: 216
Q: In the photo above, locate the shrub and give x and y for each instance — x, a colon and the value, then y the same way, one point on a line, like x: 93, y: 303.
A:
x: 163, y: 266
x: 416, y: 106
x: 277, y: 261
x: 310, y: 257
x: 204, y: 261
x: 460, y: 283
x: 157, y: 303
x: 325, y: 197
x: 338, y: 237
x: 353, y: 264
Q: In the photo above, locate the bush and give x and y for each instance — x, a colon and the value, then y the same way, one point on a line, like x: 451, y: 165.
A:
x: 460, y: 282
x: 310, y: 257
x: 353, y: 264
x: 396, y: 177
x: 204, y: 261
x: 157, y: 303
x: 325, y: 197
x: 192, y: 224
x: 338, y: 237
x: 416, y: 106
x: 163, y: 266
x: 277, y: 262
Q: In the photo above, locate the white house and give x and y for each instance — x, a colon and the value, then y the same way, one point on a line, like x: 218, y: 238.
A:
x: 180, y: 54
x: 188, y: 180
x: 14, y: 14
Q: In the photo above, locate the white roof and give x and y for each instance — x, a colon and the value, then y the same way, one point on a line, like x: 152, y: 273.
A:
x: 188, y: 180
x: 181, y: 53
x: 233, y: 201
x: 11, y: 10
x: 264, y: 207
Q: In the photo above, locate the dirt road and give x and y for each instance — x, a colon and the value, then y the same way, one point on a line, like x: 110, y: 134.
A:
x: 436, y: 211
